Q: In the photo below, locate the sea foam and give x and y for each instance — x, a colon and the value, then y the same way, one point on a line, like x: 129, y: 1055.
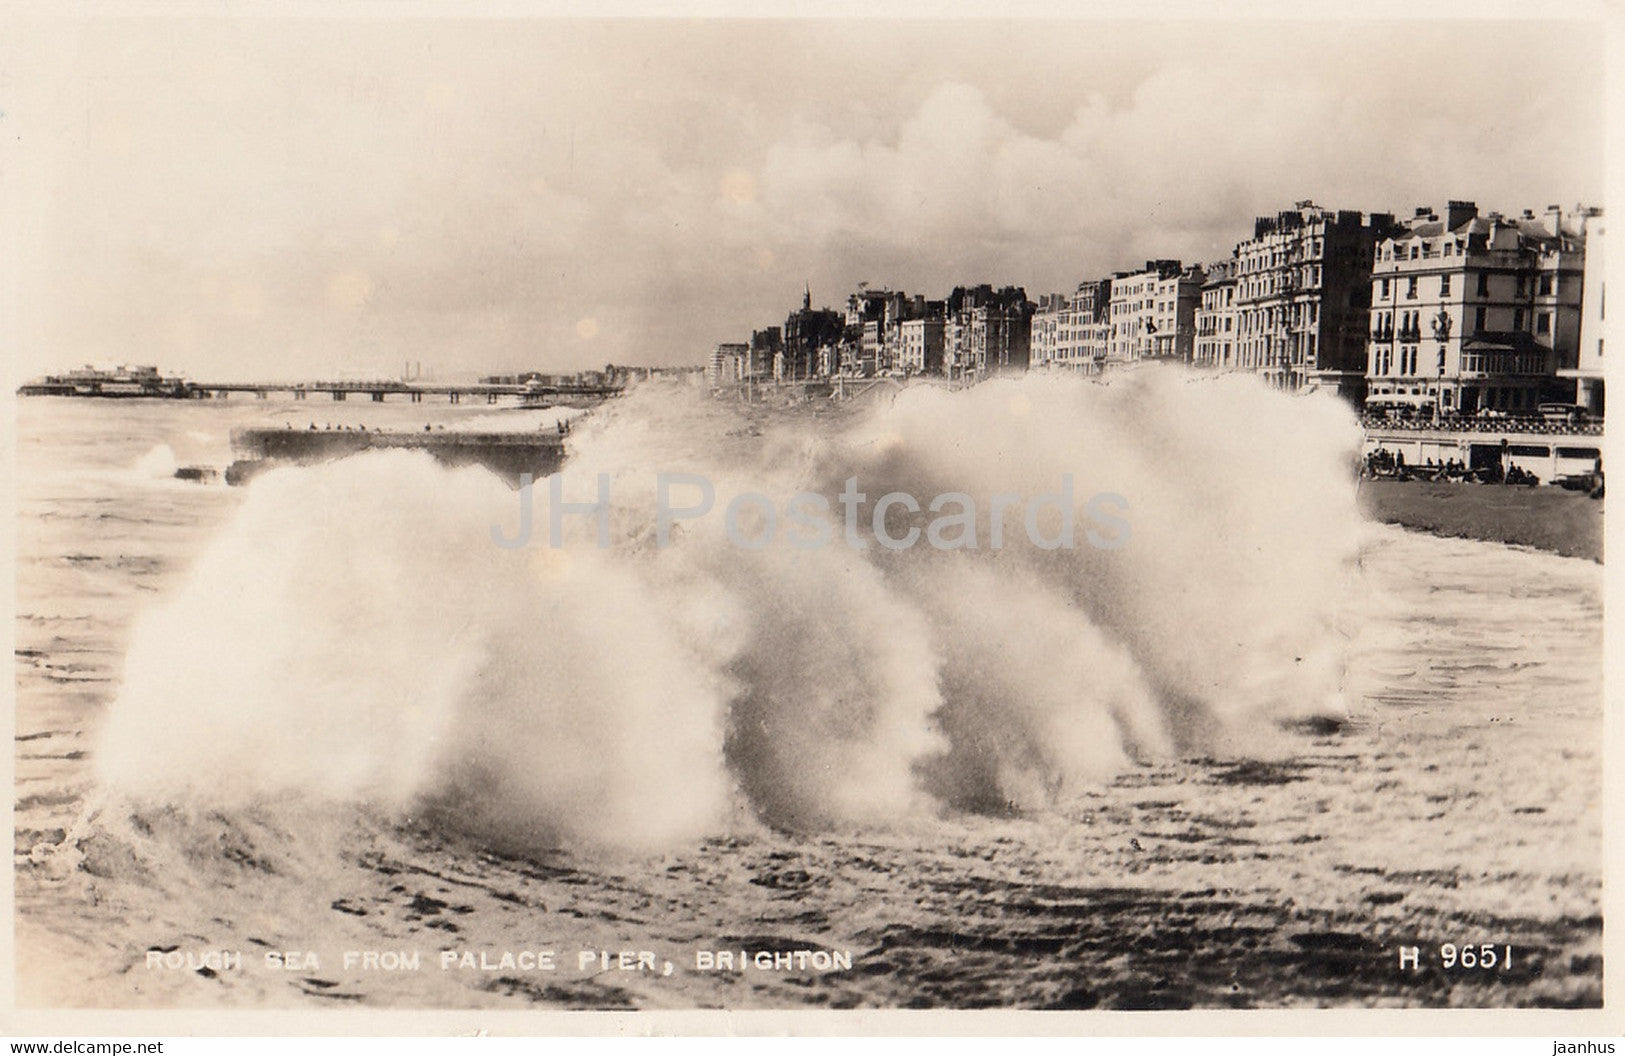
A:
x: 355, y: 636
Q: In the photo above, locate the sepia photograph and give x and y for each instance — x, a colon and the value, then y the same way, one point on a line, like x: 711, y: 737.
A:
x: 529, y: 513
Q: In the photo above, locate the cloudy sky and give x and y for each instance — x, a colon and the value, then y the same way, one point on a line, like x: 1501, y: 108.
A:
x: 276, y: 197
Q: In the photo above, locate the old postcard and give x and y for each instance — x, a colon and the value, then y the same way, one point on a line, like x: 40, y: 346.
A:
x: 516, y: 515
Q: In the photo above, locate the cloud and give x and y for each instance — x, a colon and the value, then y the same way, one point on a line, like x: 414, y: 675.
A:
x: 1178, y: 168
x: 223, y: 195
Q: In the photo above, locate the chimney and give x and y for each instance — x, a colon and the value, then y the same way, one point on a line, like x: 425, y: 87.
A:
x: 1457, y: 213
x: 1555, y: 212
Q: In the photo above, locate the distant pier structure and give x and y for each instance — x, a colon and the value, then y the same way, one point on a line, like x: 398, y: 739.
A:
x: 413, y: 391
x: 147, y: 382
x: 532, y: 388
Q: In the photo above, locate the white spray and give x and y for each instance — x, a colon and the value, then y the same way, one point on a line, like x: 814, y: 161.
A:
x: 355, y: 635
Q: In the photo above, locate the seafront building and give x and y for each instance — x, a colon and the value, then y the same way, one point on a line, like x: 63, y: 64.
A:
x: 1216, y: 318
x: 766, y: 353
x: 811, y: 338
x: 1153, y: 313
x: 987, y: 332
x: 1131, y: 311
x: 1446, y: 313
x: 922, y: 341
x: 873, y: 340
x: 1071, y: 332
x: 862, y: 351
x: 1475, y: 312
x: 1046, y: 330
x: 1177, y: 300
x: 1587, y: 373
x: 1086, y: 331
x: 1303, y: 295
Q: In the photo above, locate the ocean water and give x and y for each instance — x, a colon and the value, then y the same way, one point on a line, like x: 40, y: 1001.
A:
x: 1240, y: 760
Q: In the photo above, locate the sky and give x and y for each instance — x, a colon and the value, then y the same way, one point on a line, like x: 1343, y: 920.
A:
x: 278, y: 197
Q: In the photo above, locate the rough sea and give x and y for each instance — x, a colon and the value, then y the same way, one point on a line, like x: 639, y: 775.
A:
x: 1245, y: 759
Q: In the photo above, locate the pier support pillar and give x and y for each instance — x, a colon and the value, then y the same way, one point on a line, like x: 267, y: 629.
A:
x: 417, y: 397
x: 338, y: 396
x: 490, y: 397
x: 259, y: 394
x: 378, y: 397
x: 298, y: 394
x: 456, y: 398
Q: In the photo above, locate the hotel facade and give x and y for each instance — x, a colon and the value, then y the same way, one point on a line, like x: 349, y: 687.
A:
x: 1216, y: 318
x: 1303, y: 297
x: 1153, y: 313
x: 1474, y: 313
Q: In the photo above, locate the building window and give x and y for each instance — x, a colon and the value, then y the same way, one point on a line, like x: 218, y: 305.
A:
x: 1483, y: 284
x: 1545, y: 285
x: 1410, y: 288
x: 1517, y: 318
x: 1543, y: 323
x: 1385, y: 289
x: 1444, y: 286
x: 1478, y: 318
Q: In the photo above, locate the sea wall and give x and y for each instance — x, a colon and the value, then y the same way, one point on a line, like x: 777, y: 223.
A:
x: 507, y: 454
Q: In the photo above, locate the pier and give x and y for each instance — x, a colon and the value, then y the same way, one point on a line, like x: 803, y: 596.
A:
x: 136, y: 382
x: 411, y: 391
